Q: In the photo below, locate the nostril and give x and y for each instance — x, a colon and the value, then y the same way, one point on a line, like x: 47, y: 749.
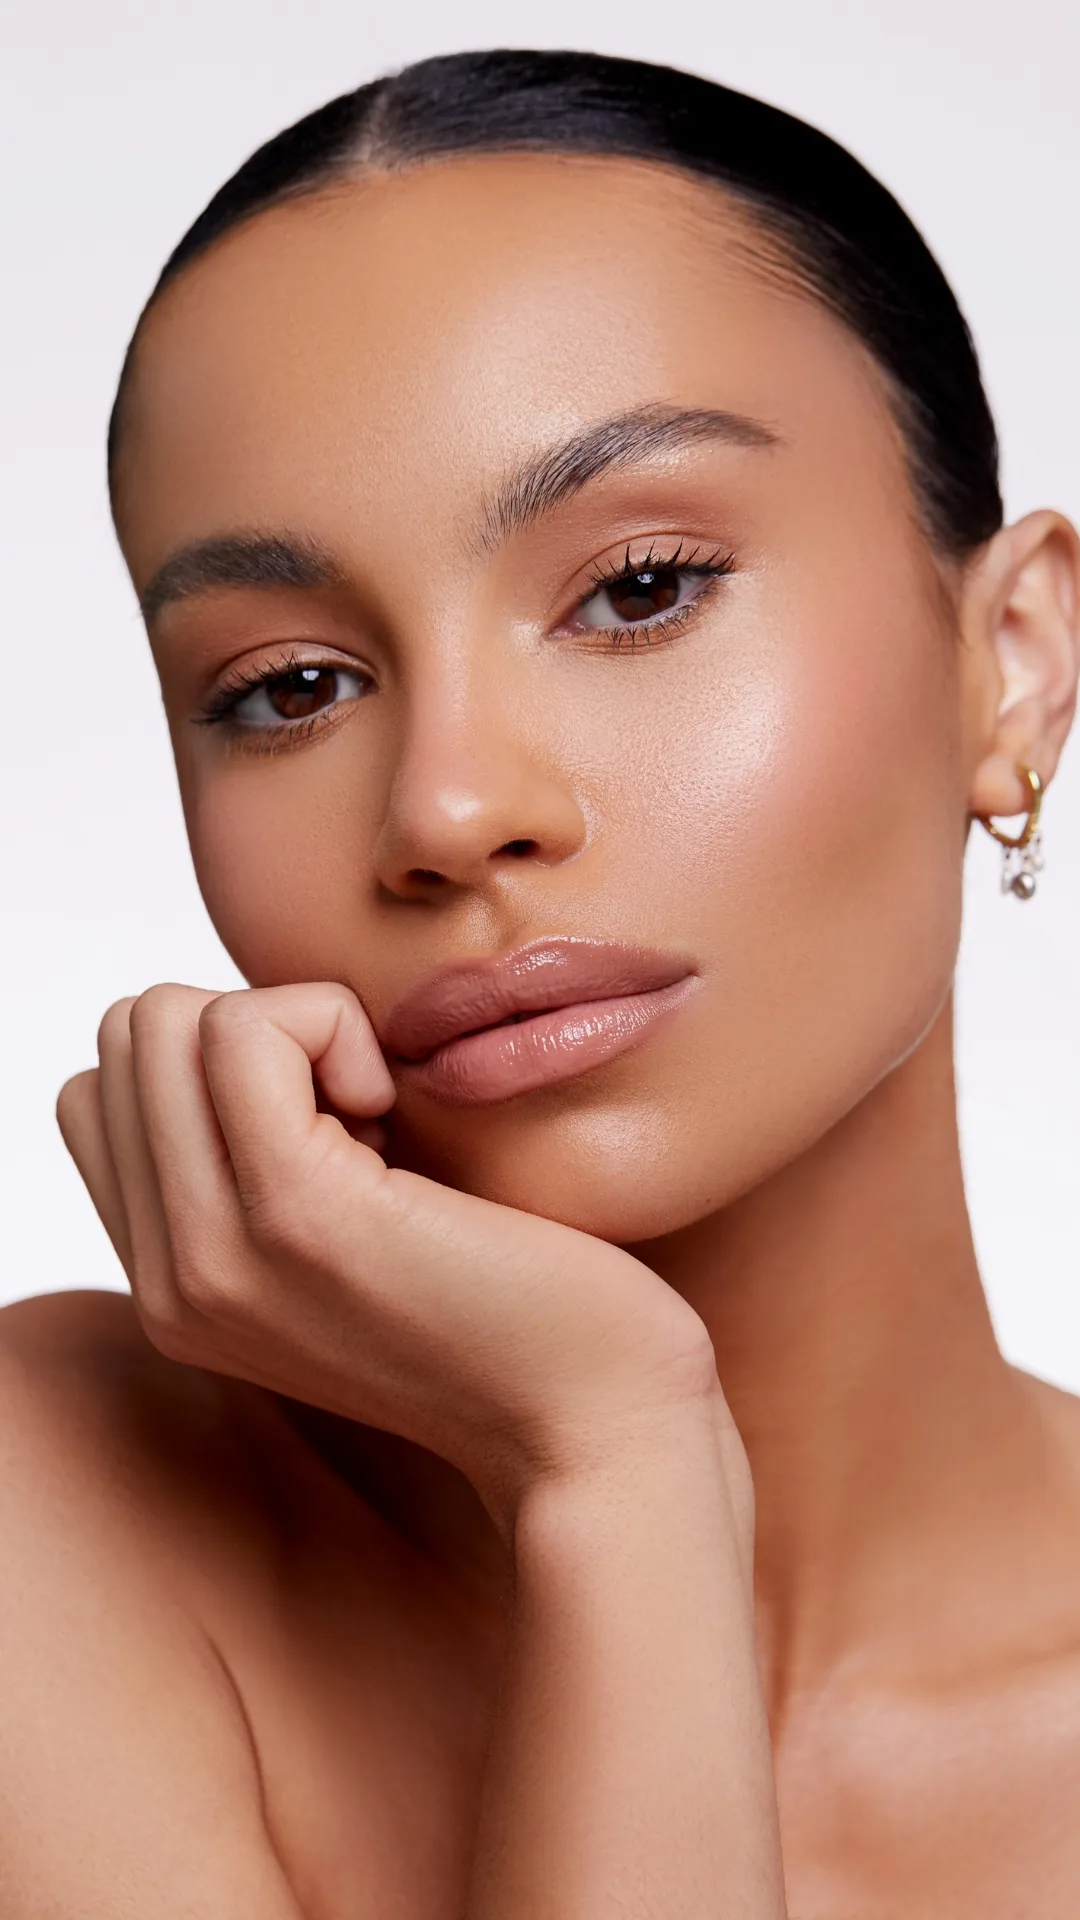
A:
x: 518, y: 847
x: 428, y: 876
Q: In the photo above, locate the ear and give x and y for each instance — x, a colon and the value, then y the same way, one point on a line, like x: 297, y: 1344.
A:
x: 1020, y: 622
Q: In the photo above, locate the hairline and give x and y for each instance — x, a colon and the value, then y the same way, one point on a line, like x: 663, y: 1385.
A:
x: 769, y: 246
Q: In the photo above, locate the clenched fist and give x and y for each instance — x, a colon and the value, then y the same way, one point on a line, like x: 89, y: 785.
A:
x: 266, y: 1239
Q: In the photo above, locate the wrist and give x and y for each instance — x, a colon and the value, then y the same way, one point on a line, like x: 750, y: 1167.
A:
x: 627, y: 1463
x: 655, y: 1396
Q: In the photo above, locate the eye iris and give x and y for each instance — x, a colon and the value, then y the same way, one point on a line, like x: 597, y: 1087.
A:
x: 638, y: 596
x: 304, y: 691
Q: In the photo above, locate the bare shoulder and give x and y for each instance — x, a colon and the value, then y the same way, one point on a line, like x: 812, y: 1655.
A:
x: 89, y: 1340
x: 162, y: 1476
x: 87, y: 1397
x: 58, y: 1319
x: 128, y: 1778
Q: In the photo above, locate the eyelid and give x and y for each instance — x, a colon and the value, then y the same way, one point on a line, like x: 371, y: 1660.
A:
x: 238, y: 678
x: 661, y: 553
x: 274, y: 723
x: 630, y: 555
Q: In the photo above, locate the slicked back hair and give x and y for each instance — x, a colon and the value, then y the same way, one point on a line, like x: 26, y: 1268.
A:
x: 842, y: 233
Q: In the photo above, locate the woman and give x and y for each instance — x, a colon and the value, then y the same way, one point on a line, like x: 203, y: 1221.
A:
x: 555, y: 1460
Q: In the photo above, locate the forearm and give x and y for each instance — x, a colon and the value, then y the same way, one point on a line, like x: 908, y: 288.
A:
x: 630, y: 1772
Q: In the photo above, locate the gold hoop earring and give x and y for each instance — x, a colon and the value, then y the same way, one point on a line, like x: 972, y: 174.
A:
x: 1023, y: 851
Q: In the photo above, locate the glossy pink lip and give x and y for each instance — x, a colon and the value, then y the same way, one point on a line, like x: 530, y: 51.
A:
x: 484, y: 1031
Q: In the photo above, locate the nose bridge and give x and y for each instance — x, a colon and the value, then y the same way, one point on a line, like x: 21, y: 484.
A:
x: 477, y: 778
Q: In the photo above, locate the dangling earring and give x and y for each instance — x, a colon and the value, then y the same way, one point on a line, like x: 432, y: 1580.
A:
x: 1023, y: 851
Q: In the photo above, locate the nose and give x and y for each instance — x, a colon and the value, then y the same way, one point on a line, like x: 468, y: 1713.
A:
x: 474, y: 793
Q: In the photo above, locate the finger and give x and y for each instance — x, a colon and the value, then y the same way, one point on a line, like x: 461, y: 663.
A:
x: 82, y: 1127
x: 186, y: 1143
x: 263, y: 1049
x: 338, y: 1040
x: 370, y: 1133
x: 135, y: 1172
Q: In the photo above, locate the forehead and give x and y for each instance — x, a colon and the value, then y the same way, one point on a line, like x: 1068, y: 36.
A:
x: 410, y: 335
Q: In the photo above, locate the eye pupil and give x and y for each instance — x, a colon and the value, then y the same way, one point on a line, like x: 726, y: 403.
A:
x: 640, y: 596
x: 302, y: 691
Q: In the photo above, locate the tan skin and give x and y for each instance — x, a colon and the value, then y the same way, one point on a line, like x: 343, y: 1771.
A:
x: 260, y: 1654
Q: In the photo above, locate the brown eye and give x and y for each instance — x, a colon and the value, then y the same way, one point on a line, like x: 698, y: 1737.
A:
x: 643, y: 597
x: 639, y: 596
x: 285, y: 699
x: 303, y: 691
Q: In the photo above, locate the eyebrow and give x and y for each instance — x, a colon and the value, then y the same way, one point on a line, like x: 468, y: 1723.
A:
x: 534, y: 489
x: 239, y: 560
x: 547, y: 479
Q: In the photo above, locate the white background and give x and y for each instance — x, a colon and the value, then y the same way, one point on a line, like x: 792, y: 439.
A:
x: 119, y: 119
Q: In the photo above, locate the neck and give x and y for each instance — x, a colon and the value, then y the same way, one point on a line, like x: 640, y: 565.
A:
x: 888, y: 1439
x: 915, y: 1506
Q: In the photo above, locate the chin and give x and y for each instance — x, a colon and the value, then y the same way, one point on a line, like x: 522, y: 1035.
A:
x: 620, y: 1175
x: 634, y: 1158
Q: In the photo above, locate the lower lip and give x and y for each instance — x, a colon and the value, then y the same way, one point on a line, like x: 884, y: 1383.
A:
x: 501, y: 1062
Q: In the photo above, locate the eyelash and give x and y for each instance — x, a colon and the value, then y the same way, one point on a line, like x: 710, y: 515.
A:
x: 244, y: 680
x: 220, y: 709
x: 651, y: 633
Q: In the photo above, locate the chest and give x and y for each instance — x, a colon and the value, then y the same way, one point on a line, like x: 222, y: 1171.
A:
x: 965, y: 1806
x: 369, y: 1689
x: 372, y: 1763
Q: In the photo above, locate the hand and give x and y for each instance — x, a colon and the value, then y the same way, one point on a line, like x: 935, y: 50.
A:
x: 268, y: 1240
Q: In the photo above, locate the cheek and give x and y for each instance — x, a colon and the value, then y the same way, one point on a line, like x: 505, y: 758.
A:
x: 279, y: 853
x: 794, y: 817
x: 861, y: 822
x: 796, y: 784
x: 813, y: 850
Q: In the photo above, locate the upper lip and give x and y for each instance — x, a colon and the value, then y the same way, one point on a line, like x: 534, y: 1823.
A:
x: 545, y: 973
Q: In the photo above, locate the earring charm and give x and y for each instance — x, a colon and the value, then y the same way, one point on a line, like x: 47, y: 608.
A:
x: 1023, y: 852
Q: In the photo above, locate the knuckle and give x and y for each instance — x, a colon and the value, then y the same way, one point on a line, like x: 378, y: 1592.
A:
x: 204, y: 1288
x: 289, y: 1208
x: 161, y: 1005
x: 169, y: 1329
x: 201, y: 1291
x: 209, y: 1269
x: 338, y: 999
x: 222, y: 1015
x: 203, y: 1253
x: 115, y: 1027
x: 151, y: 1005
x: 277, y: 1224
x: 283, y: 1219
x: 301, y: 996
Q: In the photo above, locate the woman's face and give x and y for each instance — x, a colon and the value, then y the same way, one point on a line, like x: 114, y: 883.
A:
x: 757, y: 762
